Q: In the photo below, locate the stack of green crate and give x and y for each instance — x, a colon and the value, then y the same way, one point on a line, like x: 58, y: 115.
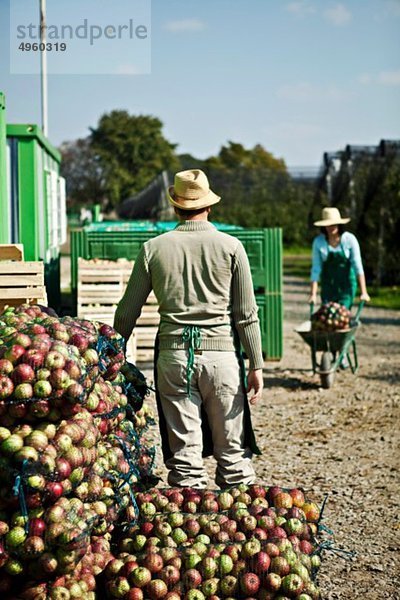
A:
x: 264, y: 249
x: 263, y: 246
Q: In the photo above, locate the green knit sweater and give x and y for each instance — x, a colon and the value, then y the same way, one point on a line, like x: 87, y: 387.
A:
x: 200, y: 276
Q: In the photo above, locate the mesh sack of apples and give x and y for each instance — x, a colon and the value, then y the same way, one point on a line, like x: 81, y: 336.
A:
x: 80, y: 583
x: 331, y: 316
x: 133, y: 431
x: 51, y: 508
x: 66, y: 471
x: 243, y: 542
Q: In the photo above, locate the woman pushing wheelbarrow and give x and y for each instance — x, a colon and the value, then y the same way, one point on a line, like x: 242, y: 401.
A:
x: 337, y: 265
x: 336, y: 262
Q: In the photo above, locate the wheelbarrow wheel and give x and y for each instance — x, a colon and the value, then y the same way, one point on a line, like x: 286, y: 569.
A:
x: 327, y: 374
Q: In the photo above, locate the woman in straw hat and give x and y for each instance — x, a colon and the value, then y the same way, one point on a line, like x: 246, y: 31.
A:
x: 202, y: 281
x: 336, y: 262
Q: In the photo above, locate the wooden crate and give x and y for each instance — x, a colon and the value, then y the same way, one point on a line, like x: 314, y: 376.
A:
x: 146, y: 330
x: 101, y: 284
x: 146, y: 326
x: 11, y: 252
x: 21, y: 282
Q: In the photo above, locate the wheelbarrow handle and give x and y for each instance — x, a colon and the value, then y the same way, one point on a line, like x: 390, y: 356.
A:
x: 359, y: 309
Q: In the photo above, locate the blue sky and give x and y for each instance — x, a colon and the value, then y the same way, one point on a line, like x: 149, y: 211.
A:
x: 300, y: 77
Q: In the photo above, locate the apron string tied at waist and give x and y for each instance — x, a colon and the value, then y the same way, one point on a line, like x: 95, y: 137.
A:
x: 192, y: 335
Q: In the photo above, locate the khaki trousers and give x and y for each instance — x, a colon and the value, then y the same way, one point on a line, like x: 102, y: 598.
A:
x: 216, y: 385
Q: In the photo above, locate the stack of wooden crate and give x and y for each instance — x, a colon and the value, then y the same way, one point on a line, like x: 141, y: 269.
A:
x: 101, y: 284
x: 20, y: 282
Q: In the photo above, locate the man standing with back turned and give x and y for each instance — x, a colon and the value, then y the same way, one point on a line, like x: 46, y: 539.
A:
x: 202, y: 281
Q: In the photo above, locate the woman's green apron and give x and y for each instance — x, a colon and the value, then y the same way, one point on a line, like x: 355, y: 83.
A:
x: 338, y: 280
x: 191, y: 336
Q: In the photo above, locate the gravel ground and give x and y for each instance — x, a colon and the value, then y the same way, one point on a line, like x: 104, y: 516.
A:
x: 342, y: 442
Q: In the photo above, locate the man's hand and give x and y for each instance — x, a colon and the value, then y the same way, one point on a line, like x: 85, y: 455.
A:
x: 255, y: 384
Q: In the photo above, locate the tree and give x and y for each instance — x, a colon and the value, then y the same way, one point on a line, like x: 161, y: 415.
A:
x: 132, y: 151
x: 369, y: 192
x: 83, y: 173
x: 188, y: 161
x: 257, y: 191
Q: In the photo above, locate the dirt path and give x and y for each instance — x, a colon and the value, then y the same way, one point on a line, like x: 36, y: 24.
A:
x: 343, y: 442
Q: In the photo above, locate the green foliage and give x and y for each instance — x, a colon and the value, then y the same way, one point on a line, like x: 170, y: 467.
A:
x: 235, y: 156
x: 188, y: 161
x: 125, y: 152
x: 118, y: 159
x: 256, y: 190
x: 373, y: 202
x: 132, y: 151
x: 83, y: 173
x: 385, y: 297
x: 297, y: 264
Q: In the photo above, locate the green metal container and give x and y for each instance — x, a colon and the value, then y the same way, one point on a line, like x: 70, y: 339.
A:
x: 4, y: 207
x: 32, y: 198
x: 263, y: 246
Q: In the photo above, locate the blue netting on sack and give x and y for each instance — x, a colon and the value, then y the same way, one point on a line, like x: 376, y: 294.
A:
x: 71, y: 446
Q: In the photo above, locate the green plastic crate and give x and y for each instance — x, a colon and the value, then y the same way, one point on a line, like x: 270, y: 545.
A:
x: 270, y: 313
x: 263, y: 247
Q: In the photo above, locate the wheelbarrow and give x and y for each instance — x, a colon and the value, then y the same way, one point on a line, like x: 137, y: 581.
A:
x: 336, y: 346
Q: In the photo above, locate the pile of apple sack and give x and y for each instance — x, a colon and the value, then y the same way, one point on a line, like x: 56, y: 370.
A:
x: 69, y: 454
x: 243, y: 542
x: 331, y: 317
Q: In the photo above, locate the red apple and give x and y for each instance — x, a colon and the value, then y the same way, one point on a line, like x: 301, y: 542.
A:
x: 260, y: 562
x: 170, y: 574
x: 63, y: 469
x: 292, y: 585
x: 306, y: 547
x: 250, y: 584
x: 6, y: 366
x: 280, y: 566
x: 276, y: 533
x: 311, y: 511
x: 37, y: 526
x: 73, y: 369
x: 34, y: 358
x: 210, y: 505
x: 134, y: 593
x: 298, y: 497
x: 191, y: 578
x: 39, y: 409
x: 257, y: 491
x: 59, y: 378
x: 157, y: 588
x: 283, y: 500
x: 273, y: 582
x: 6, y: 386
x: 80, y: 340
x: 54, y: 490
x: 14, y: 353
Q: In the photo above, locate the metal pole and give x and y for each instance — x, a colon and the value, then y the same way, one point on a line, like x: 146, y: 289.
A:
x: 43, y: 67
